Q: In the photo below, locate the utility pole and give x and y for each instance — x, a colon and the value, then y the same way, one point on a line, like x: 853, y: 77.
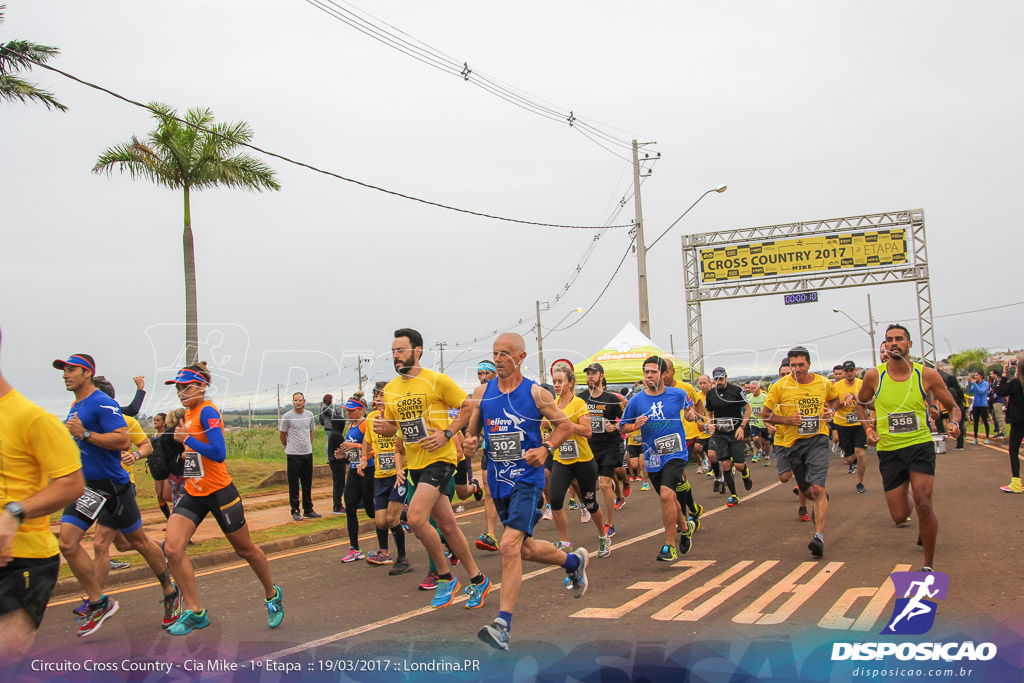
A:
x: 359, y: 370
x: 279, y: 404
x: 871, y: 330
x: 672, y: 345
x: 250, y: 414
x: 641, y: 248
x: 440, y: 346
x: 540, y: 347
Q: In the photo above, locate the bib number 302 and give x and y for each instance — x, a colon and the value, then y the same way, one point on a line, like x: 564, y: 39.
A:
x: 507, y: 446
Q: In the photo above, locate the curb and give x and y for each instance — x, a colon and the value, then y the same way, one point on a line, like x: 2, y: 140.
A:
x: 142, y: 573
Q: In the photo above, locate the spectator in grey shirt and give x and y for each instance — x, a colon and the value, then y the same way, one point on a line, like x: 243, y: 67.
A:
x: 296, y: 432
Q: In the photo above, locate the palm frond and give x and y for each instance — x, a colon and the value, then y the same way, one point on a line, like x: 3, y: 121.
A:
x: 241, y: 171
x: 138, y: 161
x: 21, y: 54
x: 14, y: 88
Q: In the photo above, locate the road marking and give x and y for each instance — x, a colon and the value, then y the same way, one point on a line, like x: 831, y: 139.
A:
x: 836, y: 617
x: 801, y: 593
x: 675, y: 611
x: 424, y: 610
x: 653, y: 589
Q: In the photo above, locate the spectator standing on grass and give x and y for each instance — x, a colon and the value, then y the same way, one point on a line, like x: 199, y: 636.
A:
x: 333, y: 422
x: 1013, y: 391
x: 996, y: 403
x: 296, y: 431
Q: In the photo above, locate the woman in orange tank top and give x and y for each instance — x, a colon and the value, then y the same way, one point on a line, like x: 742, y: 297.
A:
x: 208, y: 489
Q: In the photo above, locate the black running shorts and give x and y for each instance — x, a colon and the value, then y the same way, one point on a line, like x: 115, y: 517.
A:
x: 851, y: 438
x: 897, y: 465
x: 225, y: 505
x: 26, y: 583
x: 670, y: 475
x: 727, y: 448
x: 436, y: 474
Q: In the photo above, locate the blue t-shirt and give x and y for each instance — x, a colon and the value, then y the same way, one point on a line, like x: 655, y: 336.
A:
x: 100, y: 414
x: 511, y: 424
x: 980, y: 391
x: 664, y: 435
x: 356, y: 434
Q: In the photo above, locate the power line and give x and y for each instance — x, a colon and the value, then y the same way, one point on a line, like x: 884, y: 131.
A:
x: 305, y: 165
x: 607, y: 285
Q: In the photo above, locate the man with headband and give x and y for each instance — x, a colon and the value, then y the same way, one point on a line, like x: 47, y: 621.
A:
x: 485, y: 372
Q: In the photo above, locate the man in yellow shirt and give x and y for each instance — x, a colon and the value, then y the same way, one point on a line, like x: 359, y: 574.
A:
x: 850, y: 434
x: 416, y: 405
x: 40, y: 473
x: 800, y: 405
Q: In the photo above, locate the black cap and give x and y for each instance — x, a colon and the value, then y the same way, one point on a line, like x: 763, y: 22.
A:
x: 718, y: 372
x: 596, y: 367
x: 849, y: 365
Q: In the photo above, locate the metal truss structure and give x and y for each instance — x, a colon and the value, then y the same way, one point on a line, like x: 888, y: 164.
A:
x: 916, y: 270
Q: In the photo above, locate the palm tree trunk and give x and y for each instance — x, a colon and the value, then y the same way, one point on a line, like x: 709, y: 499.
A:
x: 191, y: 312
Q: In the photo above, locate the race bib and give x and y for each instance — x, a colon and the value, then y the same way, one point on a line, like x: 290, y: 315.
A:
x: 506, y: 446
x: 193, y: 465
x: 809, y: 425
x: 668, y: 444
x: 568, y: 450
x: 415, y: 430
x: 903, y: 423
x: 354, y: 456
x: 597, y: 424
x: 386, y: 462
x: 725, y: 424
x: 90, y: 503
x: 851, y: 418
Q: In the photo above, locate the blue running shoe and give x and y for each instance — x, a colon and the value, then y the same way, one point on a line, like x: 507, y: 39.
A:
x: 495, y: 634
x: 477, y: 592
x: 275, y: 609
x: 445, y: 595
x: 189, y: 620
x: 83, y: 609
x: 579, y: 580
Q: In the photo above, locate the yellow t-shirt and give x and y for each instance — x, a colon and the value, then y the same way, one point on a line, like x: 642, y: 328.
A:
x: 692, y: 431
x: 383, y: 448
x: 138, y: 438
x: 787, y: 397
x: 576, y: 411
x: 420, y: 404
x: 34, y: 448
x: 701, y: 434
x: 847, y: 417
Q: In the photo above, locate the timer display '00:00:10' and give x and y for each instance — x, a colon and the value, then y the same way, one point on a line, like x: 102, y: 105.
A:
x: 801, y: 298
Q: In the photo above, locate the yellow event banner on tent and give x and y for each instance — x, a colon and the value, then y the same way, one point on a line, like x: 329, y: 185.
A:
x: 804, y: 255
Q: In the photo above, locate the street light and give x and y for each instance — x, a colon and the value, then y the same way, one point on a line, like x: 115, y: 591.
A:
x: 540, y: 336
x: 870, y: 331
x: 720, y: 189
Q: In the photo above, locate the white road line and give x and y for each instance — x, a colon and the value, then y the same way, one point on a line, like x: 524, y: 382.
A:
x: 425, y: 610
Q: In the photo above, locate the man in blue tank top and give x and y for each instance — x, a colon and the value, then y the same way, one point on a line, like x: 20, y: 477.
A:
x: 509, y: 409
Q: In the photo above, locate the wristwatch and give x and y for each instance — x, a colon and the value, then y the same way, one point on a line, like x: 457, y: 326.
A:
x: 551, y: 449
x: 86, y: 435
x: 16, y: 510
x: 448, y: 434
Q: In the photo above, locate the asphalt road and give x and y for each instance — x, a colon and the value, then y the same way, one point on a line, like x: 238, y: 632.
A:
x: 748, y: 598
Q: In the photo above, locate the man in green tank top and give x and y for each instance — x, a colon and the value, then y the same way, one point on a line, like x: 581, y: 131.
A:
x: 900, y: 390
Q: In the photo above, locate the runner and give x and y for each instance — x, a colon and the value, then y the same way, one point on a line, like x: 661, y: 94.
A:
x: 906, y: 455
x: 485, y: 372
x: 41, y: 473
x: 850, y: 432
x: 605, y: 409
x: 389, y: 492
x: 510, y: 410
x: 417, y: 401
x: 164, y: 494
x: 800, y: 405
x: 684, y: 492
x: 635, y: 450
x: 658, y: 411
x: 703, y: 438
x: 96, y: 422
x: 208, y: 490
x: 1013, y: 391
x: 758, y: 431
x: 727, y: 405
x: 359, y: 485
x: 574, y: 462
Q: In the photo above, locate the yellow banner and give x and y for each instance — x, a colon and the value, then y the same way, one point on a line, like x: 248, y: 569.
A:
x: 804, y: 255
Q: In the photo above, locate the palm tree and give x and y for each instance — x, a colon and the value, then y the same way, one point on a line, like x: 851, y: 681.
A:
x: 192, y: 155
x: 18, y: 55
x: 967, y: 359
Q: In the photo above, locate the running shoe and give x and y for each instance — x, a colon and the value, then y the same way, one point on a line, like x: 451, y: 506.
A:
x: 574, y: 504
x: 445, y: 595
x: 338, y: 511
x: 861, y: 489
x: 816, y: 546
x: 487, y: 542
x: 852, y: 469
x: 733, y: 501
x: 1014, y: 487
x: 710, y: 472
x: 619, y: 502
x: 609, y: 530
x: 796, y: 490
x: 748, y: 481
x: 477, y: 592
x: 802, y: 515
x: 646, y: 486
x: 563, y: 545
x: 717, y: 488
x: 686, y: 539
x: 767, y: 461
x: 189, y: 620
x: 478, y: 491
x: 95, y: 617
x: 496, y: 635
x: 117, y: 564
x: 584, y: 515
x: 547, y: 512
x: 275, y: 608
x: 667, y: 554
x: 697, y: 515
x: 379, y: 558
x: 986, y: 442
x: 578, y: 579
x: 452, y: 558
x: 755, y: 458
x: 429, y: 583
x: 974, y: 442
x: 82, y: 609
x: 172, y: 607
x: 295, y: 516
x: 626, y: 490
x: 604, y: 547
x: 402, y: 566
x: 312, y: 514
x: 723, y: 488
x: 353, y: 555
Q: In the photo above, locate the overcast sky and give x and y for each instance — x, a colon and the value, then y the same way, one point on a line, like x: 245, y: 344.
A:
x: 806, y: 110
